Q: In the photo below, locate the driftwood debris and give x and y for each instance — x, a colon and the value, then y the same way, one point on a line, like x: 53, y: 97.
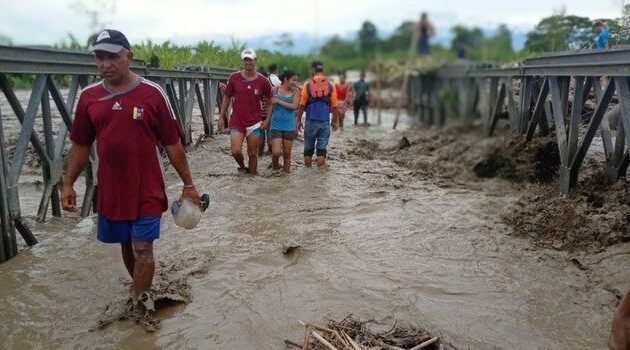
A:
x: 354, y: 334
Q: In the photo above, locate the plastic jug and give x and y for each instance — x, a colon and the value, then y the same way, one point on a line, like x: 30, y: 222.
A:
x: 186, y: 214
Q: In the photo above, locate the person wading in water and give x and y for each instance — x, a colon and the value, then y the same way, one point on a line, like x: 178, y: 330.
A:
x: 343, y: 102
x: 249, y: 89
x: 129, y: 117
x: 318, y: 98
x: 283, y: 120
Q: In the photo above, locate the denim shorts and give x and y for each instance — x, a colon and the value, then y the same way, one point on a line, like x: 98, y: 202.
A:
x: 316, y: 137
x: 146, y: 229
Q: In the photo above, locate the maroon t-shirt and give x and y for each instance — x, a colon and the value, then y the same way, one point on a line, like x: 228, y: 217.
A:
x: 127, y: 127
x: 248, y: 96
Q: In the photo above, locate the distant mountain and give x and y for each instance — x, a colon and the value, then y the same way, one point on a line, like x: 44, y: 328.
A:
x: 304, y: 43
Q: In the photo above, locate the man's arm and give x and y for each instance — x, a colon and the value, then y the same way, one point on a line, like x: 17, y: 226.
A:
x: 224, y: 107
x: 78, y: 157
x: 302, y: 106
x: 269, y: 104
x: 177, y: 157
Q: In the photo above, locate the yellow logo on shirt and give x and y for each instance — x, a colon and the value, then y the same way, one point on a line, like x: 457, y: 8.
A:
x: 137, y: 113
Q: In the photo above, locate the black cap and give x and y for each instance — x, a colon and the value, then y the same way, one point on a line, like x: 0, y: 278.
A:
x: 110, y: 40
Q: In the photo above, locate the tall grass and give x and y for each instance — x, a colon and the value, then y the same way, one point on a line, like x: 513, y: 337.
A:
x: 171, y: 56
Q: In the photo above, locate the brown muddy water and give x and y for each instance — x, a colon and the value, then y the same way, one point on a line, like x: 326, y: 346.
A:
x: 376, y: 240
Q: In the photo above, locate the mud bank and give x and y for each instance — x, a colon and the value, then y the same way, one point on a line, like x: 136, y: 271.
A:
x: 596, y: 215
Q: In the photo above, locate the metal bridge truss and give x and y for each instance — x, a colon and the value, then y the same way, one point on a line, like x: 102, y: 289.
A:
x: 543, y: 94
x: 48, y: 68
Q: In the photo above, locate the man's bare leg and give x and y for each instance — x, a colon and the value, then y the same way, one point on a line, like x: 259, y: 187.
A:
x: 236, y: 143
x: 144, y: 266
x: 252, y: 153
x: 128, y: 259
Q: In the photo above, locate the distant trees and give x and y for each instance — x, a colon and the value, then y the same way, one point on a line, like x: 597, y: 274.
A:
x: 337, y: 47
x: 285, y: 42
x: 478, y: 46
x: 560, y: 32
x: 471, y: 37
x: 400, y: 39
x: 5, y: 40
x: 368, y: 38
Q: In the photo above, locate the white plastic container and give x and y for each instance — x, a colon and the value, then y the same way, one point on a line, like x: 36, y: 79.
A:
x: 185, y: 214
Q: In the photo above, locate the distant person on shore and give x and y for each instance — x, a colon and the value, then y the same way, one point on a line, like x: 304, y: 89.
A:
x: 603, y: 35
x: 318, y: 98
x: 128, y: 117
x: 461, y: 50
x: 343, y: 102
x: 361, y: 98
x: 249, y: 89
x: 273, y: 77
x: 283, y: 126
x: 427, y: 30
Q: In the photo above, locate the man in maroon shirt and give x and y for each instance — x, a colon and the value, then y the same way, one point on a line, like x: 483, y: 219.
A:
x: 129, y: 117
x: 249, y: 89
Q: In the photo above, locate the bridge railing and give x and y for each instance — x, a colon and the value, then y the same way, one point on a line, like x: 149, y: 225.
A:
x: 542, y: 95
x: 47, y: 68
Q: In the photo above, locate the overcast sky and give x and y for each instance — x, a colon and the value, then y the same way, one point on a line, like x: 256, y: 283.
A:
x: 188, y: 21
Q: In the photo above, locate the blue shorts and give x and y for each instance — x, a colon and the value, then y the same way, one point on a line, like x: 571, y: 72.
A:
x: 146, y: 229
x: 256, y: 132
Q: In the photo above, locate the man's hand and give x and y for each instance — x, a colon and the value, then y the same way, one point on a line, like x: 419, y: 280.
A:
x: 264, y: 125
x: 68, y: 198
x: 192, y: 194
x: 300, y: 126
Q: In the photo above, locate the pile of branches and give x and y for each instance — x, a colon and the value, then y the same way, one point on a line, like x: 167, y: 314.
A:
x: 354, y: 334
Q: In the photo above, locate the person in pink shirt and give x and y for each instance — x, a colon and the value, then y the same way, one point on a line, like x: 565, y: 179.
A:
x: 247, y: 89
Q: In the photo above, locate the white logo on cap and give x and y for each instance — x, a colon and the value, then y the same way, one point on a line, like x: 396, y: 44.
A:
x: 103, y: 35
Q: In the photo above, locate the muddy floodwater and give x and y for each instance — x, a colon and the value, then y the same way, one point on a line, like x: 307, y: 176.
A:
x: 377, y: 240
